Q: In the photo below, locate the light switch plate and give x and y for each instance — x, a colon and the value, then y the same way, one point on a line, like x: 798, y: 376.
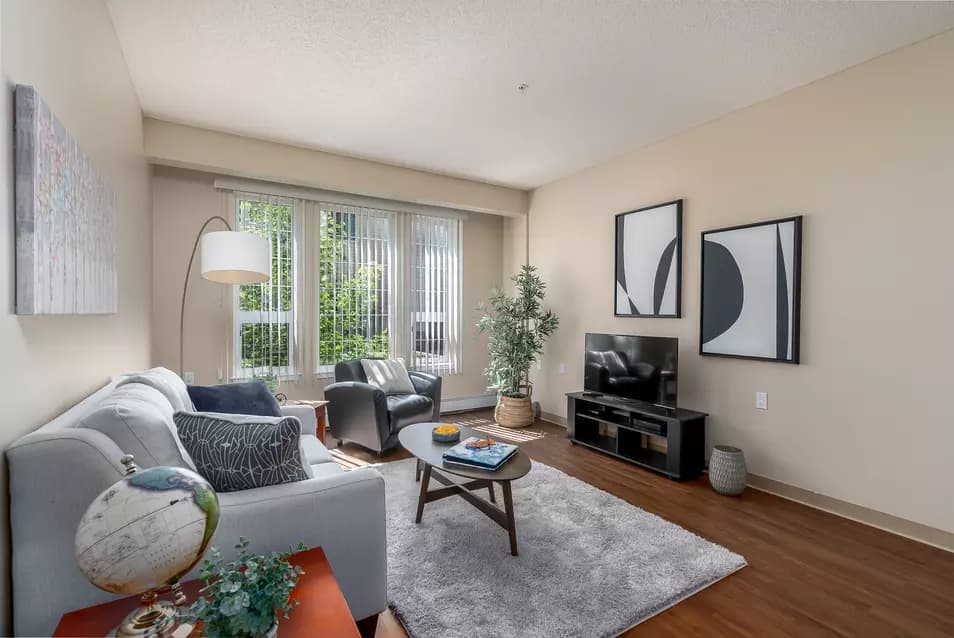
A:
x: 761, y: 400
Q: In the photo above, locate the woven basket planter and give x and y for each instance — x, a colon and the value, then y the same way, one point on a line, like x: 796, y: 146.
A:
x: 727, y: 473
x: 512, y: 412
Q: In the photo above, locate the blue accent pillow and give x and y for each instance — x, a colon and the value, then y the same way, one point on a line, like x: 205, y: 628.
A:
x: 235, y: 398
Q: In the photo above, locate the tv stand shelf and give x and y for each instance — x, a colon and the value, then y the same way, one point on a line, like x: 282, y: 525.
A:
x: 634, y: 431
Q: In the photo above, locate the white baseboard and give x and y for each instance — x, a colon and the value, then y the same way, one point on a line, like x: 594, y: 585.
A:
x: 902, y: 527
x: 461, y: 404
x: 555, y: 419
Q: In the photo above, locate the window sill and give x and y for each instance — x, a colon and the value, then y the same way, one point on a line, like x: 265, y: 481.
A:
x: 282, y: 378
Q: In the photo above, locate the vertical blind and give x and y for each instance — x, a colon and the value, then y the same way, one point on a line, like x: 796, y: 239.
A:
x: 355, y: 284
x: 348, y: 282
x: 264, y: 317
x: 435, y: 292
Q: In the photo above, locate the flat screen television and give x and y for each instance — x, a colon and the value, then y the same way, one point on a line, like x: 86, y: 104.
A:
x: 632, y: 367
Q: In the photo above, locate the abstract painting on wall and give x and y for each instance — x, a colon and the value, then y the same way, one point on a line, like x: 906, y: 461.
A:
x: 649, y: 261
x: 751, y: 290
x: 66, y: 219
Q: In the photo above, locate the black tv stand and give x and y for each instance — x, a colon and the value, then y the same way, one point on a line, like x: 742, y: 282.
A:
x: 625, y: 428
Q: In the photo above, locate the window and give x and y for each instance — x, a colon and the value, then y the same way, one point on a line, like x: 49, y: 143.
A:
x: 264, y: 314
x: 355, y: 265
x: 388, y: 287
x: 348, y: 282
x: 435, y: 303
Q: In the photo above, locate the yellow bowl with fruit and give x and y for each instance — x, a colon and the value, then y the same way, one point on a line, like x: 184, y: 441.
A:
x: 446, y: 433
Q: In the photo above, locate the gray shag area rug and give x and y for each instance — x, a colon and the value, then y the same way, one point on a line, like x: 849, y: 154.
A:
x: 590, y: 564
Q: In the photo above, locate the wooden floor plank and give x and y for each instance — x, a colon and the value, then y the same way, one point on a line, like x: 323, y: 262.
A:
x: 810, y: 573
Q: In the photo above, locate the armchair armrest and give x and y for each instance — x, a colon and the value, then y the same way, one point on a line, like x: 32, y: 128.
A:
x: 305, y: 414
x: 343, y: 513
x: 428, y: 385
x: 358, y: 412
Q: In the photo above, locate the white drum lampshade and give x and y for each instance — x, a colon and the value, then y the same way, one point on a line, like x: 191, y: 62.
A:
x: 231, y: 257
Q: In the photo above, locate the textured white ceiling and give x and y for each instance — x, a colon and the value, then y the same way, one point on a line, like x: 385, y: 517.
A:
x: 432, y: 83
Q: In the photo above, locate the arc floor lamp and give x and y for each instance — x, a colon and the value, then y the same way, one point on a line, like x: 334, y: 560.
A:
x: 228, y: 257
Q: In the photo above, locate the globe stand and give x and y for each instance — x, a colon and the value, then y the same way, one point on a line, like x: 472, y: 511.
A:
x: 153, y: 618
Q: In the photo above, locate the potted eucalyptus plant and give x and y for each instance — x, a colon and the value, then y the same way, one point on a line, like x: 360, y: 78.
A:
x: 245, y: 598
x: 517, y: 328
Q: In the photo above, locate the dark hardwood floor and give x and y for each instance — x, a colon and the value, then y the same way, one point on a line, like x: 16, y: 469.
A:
x: 810, y: 573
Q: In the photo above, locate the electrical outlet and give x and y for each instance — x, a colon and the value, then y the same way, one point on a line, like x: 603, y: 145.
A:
x: 218, y: 372
x: 189, y: 377
x: 761, y: 400
x: 562, y: 368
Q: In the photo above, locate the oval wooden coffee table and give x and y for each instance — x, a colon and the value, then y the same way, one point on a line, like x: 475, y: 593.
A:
x: 417, y: 440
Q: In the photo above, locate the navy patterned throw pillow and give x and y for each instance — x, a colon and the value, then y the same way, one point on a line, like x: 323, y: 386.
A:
x: 238, y: 452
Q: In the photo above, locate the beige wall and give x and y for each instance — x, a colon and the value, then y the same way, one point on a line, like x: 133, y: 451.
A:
x: 867, y: 156
x: 195, y: 148
x: 514, y: 248
x: 183, y: 199
x: 69, y: 52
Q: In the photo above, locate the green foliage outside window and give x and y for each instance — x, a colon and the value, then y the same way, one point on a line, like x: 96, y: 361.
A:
x: 273, y: 222
x: 352, y: 317
x: 263, y: 344
x: 352, y: 307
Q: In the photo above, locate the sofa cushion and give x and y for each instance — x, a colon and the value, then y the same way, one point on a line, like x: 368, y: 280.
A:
x: 138, y: 418
x: 165, y: 381
x: 235, y: 398
x: 314, y: 451
x: 389, y: 375
x: 241, y: 452
x: 405, y: 409
x: 322, y: 470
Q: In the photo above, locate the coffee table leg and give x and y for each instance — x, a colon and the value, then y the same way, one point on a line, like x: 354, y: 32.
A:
x: 417, y: 470
x: 490, y: 488
x: 511, y: 521
x: 422, y: 497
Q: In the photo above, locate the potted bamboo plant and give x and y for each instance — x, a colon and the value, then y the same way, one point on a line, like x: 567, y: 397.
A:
x: 517, y: 327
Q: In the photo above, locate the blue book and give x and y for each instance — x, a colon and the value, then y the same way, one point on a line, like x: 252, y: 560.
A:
x: 488, y: 458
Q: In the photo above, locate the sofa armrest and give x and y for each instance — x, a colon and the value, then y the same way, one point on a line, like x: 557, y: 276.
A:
x: 358, y: 412
x: 344, y: 514
x: 305, y: 414
x: 54, y: 476
x: 428, y: 385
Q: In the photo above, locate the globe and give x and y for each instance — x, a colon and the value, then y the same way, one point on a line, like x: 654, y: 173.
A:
x: 147, y: 530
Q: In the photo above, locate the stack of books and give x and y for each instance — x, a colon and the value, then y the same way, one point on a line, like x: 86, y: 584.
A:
x: 490, y: 457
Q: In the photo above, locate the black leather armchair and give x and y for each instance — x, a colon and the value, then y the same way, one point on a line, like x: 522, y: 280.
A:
x: 364, y: 414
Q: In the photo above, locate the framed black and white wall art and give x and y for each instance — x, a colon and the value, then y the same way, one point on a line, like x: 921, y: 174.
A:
x: 751, y: 290
x: 649, y: 261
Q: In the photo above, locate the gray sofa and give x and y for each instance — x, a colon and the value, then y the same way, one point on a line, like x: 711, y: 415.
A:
x: 57, y: 470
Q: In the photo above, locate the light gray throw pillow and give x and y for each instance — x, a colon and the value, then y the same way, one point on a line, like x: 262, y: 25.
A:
x: 138, y: 418
x: 165, y: 381
x: 389, y: 375
x: 239, y: 452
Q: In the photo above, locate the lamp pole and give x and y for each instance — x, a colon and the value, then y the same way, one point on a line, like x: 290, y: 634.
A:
x: 185, y: 284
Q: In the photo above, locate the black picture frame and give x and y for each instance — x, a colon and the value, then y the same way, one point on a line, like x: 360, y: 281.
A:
x: 794, y: 323
x: 619, y: 273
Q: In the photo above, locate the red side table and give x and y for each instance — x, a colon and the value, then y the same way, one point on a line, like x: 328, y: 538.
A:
x: 322, y: 610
